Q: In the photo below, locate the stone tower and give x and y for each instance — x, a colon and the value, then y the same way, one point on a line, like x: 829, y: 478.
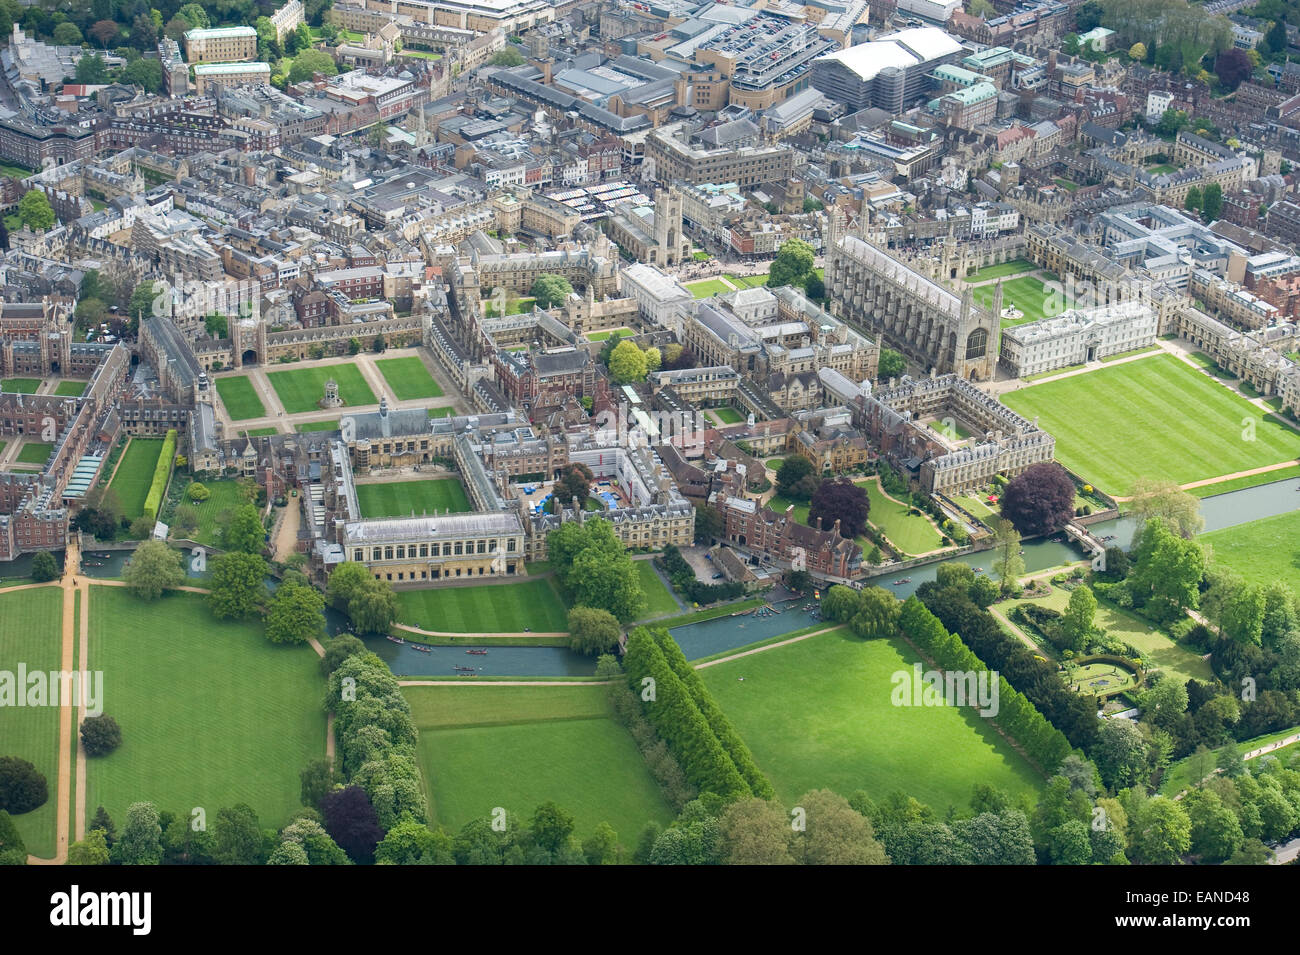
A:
x: 668, y: 226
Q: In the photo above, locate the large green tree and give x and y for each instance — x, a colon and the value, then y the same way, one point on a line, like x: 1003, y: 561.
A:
x: 35, y: 211
x: 1167, y: 570
x: 244, y: 532
x: 551, y: 290
x: 296, y: 614
x: 238, y: 585
x: 627, y: 363
x: 154, y: 568
x: 1007, y: 562
x: 140, y: 842
x: 593, y: 631
x: 309, y: 62
x: 792, y: 265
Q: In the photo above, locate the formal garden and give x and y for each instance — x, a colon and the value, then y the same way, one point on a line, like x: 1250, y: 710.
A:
x: 301, y: 389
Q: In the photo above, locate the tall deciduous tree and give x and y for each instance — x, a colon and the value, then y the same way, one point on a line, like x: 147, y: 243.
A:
x: 1153, y: 497
x: 238, y: 585
x: 1040, y: 499
x: 792, y: 265
x: 35, y: 211
x: 1167, y: 570
x: 593, y: 631
x: 1007, y: 564
x: 141, y: 840
x: 1079, y: 613
x: 296, y: 614
x: 244, y: 532
x: 154, y: 568
x: 551, y: 290
x: 840, y: 500
x: 351, y: 821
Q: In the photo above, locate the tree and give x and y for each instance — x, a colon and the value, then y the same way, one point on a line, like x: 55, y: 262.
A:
x: 22, y: 787
x: 1167, y: 570
x: 35, y: 211
x: 1120, y: 753
x: 1213, y: 202
x: 1193, y: 201
x: 602, y: 847
x: 185, y: 520
x: 793, y: 264
x: 1214, y: 828
x: 551, y: 290
x: 1070, y: 44
x: 1161, y: 832
x: 507, y: 57
x: 102, y: 821
x: 574, y: 485
x: 840, y: 500
x: 1232, y: 66
x: 877, y: 614
x: 309, y: 62
x: 141, y: 839
x: 594, y: 568
x: 100, y: 735
x: 1076, y: 624
x: 795, y: 478
x: 236, y: 837
x: 244, y: 532
x: 351, y: 821
x: 296, y: 614
x: 1171, y: 122
x: 44, y: 567
x: 105, y: 31
x: 1164, y: 703
x: 814, y: 286
x: 755, y: 832
x: 145, y: 73
x: 154, y: 568
x: 593, y: 631
x: 92, y: 850
x: 144, y: 32
x: 378, y: 345
x: 339, y: 649
x: 834, y: 834
x: 982, y: 9
x: 627, y: 363
x: 709, y: 524
x: 67, y: 34
x: 1040, y: 499
x: 238, y: 585
x: 373, y: 608
x: 1007, y: 564
x: 142, y: 302
x: 354, y: 346
x: 1275, y: 40
x: 1153, y: 497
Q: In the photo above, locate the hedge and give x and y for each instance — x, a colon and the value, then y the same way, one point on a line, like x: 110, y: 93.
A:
x: 161, y: 471
x: 717, y: 720
x: 677, y: 719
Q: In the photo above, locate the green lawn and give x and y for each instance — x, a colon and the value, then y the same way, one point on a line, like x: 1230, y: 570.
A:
x: 707, y: 287
x: 1179, y: 775
x: 1066, y: 184
x: 1162, y: 169
x: 330, y: 425
x: 499, y: 608
x: 71, y: 389
x: 301, y: 388
x: 517, y: 747
x: 1026, y: 293
x: 622, y: 332
x: 213, y: 512
x: 977, y: 506
x: 1260, y: 551
x: 135, y: 474
x: 747, y: 281
x: 239, y: 397
x: 727, y: 415
x: 400, y: 498
x: 17, y: 172
x: 1128, y: 354
x: 36, y: 452
x: 1253, y: 480
x: 212, y: 714
x: 260, y: 432
x: 446, y: 412
x: 990, y: 272
x: 30, y: 631
x: 1156, y: 417
x: 408, y: 378
x: 819, y: 714
x: 420, y: 54
x: 659, y: 600
x: 26, y: 386
x: 1052, y: 373
x: 912, y: 532
x: 514, y: 306
x: 953, y: 432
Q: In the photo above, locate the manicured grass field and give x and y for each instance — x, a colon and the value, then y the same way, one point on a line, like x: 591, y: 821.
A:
x: 212, y: 714
x: 1253, y: 480
x: 35, y: 452
x: 1066, y: 184
x: 747, y: 281
x: 623, y: 332
x: 70, y: 389
x: 300, y: 389
x: 953, y: 431
x: 1155, y: 417
x: 977, y: 506
x: 500, y: 608
x: 658, y: 599
x: 1179, y: 775
x: 516, y: 306
x: 1162, y: 169
x: 446, y: 412
x: 330, y: 425
x: 240, y: 398
x: 1260, y: 551
x: 408, y: 378
x: 259, y: 432
x: 706, y: 287
x: 517, y: 747
x: 135, y: 474
x: 728, y: 415
x: 912, y: 532
x: 26, y: 386
x: 819, y: 714
x: 213, y: 512
x: 1026, y: 293
x: 400, y: 498
x: 1150, y: 349
x: 990, y: 272
x: 30, y: 631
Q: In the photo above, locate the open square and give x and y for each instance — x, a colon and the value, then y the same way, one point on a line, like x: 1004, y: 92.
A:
x: 1153, y: 418
x: 301, y: 389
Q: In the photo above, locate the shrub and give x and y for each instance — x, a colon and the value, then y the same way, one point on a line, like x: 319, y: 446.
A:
x: 100, y: 735
x: 197, y: 492
x: 22, y: 787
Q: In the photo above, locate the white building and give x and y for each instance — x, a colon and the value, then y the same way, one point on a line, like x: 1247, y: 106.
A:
x: 1076, y: 337
x: 1157, y: 102
x: 657, y: 295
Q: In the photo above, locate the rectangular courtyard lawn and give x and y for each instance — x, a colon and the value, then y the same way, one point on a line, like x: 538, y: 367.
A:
x: 728, y: 415
x: 990, y: 272
x: 818, y: 714
x: 1260, y: 551
x: 212, y: 714
x: 707, y: 287
x: 1026, y: 293
x: 34, y: 452
x: 70, y: 389
x: 300, y: 389
x: 658, y: 598
x: 30, y: 634
x: 408, y: 378
x: 912, y: 532
x: 26, y: 386
x: 622, y: 332
x: 400, y: 498
x: 135, y: 474
x: 240, y: 398
x: 516, y: 747
x: 490, y: 608
x: 1156, y: 418
x: 446, y: 412
x: 330, y: 425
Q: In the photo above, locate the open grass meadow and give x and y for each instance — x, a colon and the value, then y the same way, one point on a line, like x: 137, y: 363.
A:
x: 516, y: 747
x: 819, y: 713
x: 1155, y: 417
x: 747, y: 281
x: 658, y: 598
x: 408, y: 378
x: 215, y: 511
x: 1251, y: 480
x: 300, y: 389
x: 1260, y: 551
x: 1026, y: 293
x: 400, y: 498
x: 912, y: 532
x: 25, y: 386
x: 490, y: 608
x: 240, y: 398
x: 990, y: 272
x: 38, y: 452
x: 212, y: 714
x: 135, y: 474
x: 31, y: 635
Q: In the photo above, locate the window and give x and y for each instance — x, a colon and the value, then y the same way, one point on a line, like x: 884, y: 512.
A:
x: 357, y: 553
x: 401, y: 552
x: 388, y: 555
x: 459, y: 548
x: 482, y: 547
x: 510, y: 545
x: 424, y: 550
